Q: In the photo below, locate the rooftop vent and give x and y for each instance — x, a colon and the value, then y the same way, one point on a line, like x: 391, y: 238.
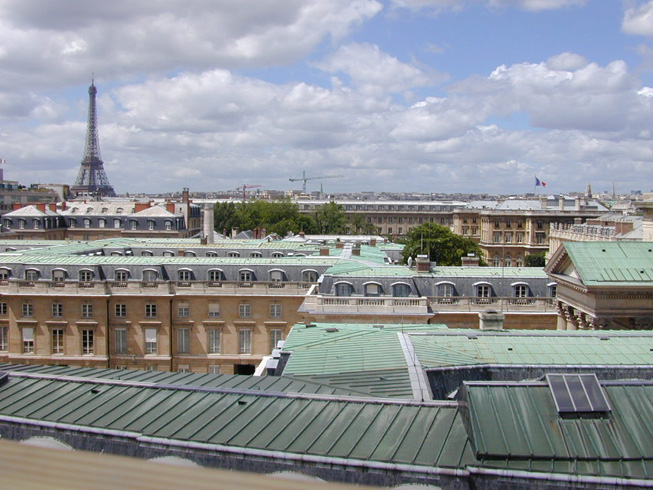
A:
x: 332, y: 329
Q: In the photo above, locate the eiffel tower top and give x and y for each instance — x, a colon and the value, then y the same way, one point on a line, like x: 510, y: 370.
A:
x: 92, y: 147
x: 92, y: 179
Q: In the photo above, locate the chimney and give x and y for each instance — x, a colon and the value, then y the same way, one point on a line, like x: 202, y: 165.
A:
x: 340, y: 245
x: 356, y: 251
x: 471, y: 260
x: 64, y: 205
x: 423, y: 263
x: 324, y: 251
x: 623, y: 227
x: 40, y: 206
x: 491, y: 320
x: 544, y: 203
x: 140, y: 206
x: 181, y: 253
x: 53, y: 207
x: 170, y: 207
x: 209, y: 237
x: 302, y: 234
x: 372, y: 242
x: 185, y: 195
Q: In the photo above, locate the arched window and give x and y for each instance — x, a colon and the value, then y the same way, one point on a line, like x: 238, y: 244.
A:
x: 117, y: 223
x: 211, y: 254
x: 122, y: 275
x: 256, y: 255
x: 373, y: 289
x: 168, y: 225
x: 277, y: 255
x: 185, y: 275
x: 309, y: 275
x: 508, y: 261
x: 245, y: 275
x: 87, y: 222
x: 59, y: 275
x: 496, y: 261
x: 32, y: 274
x: 215, y: 275
x: 401, y: 290
x: 519, y: 261
x: 5, y: 273
x: 520, y: 290
x: 150, y: 275
x: 147, y: 253
x: 277, y: 275
x: 86, y: 275
x: 233, y: 254
x: 483, y: 292
x: 189, y: 253
x: 446, y: 289
x: 344, y: 289
x: 102, y: 223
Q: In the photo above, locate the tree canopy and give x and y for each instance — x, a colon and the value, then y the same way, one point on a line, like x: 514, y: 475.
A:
x: 438, y: 242
x: 283, y: 217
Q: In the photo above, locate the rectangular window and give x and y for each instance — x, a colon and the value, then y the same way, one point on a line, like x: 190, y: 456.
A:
x: 275, y: 310
x: 183, y: 310
x: 276, y: 334
x: 87, y: 310
x: 4, y: 309
x: 508, y: 237
x: 28, y: 310
x: 183, y: 340
x: 121, y: 340
x: 87, y: 341
x: 4, y: 338
x: 121, y: 310
x: 214, y: 341
x: 245, y: 341
x: 57, y: 340
x: 245, y: 310
x: 28, y: 340
x: 521, y: 291
x: 150, y: 310
x: 150, y: 341
x: 520, y: 237
x: 497, y: 238
x: 57, y: 310
x: 215, y: 369
x: 183, y: 368
x: 214, y: 310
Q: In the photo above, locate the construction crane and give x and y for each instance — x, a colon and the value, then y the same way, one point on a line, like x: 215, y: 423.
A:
x: 303, y: 179
x: 244, y: 187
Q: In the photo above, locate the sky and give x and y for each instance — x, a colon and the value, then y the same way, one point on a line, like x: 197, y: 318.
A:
x: 471, y: 96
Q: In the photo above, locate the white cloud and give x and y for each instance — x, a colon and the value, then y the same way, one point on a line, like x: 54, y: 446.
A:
x: 66, y: 42
x: 375, y: 72
x: 566, y: 61
x: 639, y: 20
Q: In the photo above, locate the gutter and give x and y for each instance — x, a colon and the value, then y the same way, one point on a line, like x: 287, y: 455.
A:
x: 561, y: 477
x: 243, y: 451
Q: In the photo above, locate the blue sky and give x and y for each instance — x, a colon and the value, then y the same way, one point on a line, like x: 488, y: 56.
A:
x: 471, y: 96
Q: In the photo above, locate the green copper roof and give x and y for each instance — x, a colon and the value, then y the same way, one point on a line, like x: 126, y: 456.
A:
x: 612, y: 263
x: 527, y: 347
x: 509, y: 272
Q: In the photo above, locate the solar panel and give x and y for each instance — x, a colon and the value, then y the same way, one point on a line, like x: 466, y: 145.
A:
x: 577, y: 393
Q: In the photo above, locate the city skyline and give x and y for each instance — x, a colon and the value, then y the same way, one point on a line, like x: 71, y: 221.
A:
x: 396, y: 95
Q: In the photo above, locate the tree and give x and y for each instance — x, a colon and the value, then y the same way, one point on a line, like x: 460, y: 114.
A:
x: 330, y: 219
x: 359, y: 225
x: 225, y: 218
x: 438, y: 242
x: 535, y: 260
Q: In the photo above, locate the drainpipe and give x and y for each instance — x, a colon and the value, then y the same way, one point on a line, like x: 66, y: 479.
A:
x: 172, y: 335
x: 107, y: 339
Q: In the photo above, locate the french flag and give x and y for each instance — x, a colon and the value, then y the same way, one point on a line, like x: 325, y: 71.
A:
x: 538, y: 182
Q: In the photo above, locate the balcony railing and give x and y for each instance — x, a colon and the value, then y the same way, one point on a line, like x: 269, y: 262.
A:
x: 161, y: 287
x: 380, y: 305
x: 505, y: 304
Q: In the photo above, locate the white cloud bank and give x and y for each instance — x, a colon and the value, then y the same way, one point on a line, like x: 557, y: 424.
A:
x: 180, y: 103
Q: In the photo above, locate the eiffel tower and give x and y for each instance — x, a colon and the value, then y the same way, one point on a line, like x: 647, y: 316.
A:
x: 92, y: 180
